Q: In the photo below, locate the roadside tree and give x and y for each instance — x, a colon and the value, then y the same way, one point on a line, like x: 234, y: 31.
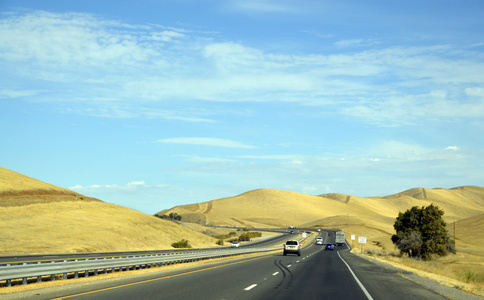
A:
x: 421, y: 232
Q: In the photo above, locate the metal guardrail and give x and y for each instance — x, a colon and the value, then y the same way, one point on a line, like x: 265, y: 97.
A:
x: 85, y: 267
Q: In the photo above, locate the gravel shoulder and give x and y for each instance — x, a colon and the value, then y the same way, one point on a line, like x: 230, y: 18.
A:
x: 446, y: 287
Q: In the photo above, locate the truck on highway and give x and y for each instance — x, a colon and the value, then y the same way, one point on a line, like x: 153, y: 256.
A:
x: 340, y: 238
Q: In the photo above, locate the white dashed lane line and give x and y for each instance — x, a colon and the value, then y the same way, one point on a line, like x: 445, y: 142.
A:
x: 275, y: 274
x: 250, y: 287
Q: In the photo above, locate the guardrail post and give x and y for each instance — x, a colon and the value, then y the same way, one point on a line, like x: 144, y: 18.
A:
x: 8, y: 283
x: 52, y: 277
x: 39, y: 278
x: 76, y: 274
x: 24, y: 280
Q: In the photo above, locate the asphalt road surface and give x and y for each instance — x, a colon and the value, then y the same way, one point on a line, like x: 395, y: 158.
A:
x: 316, y: 274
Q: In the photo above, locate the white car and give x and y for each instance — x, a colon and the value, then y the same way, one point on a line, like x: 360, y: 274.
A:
x: 319, y: 241
x: 235, y: 244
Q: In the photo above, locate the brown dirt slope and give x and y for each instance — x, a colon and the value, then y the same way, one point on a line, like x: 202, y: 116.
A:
x: 17, y: 189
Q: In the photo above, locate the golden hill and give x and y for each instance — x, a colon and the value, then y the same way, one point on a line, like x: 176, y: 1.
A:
x: 17, y: 189
x: 268, y: 207
x: 37, y: 217
x: 372, y: 217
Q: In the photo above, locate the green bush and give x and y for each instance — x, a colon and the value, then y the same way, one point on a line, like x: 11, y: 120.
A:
x: 171, y: 216
x: 421, y: 232
x: 220, y: 242
x: 181, y: 244
x: 247, y: 236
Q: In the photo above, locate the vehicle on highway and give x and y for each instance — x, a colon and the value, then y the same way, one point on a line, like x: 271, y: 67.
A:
x: 319, y: 241
x: 329, y: 247
x: 235, y: 244
x: 340, y: 238
x: 292, y: 247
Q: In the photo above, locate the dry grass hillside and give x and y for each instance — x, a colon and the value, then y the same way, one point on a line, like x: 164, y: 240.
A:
x: 372, y: 217
x: 17, y: 189
x: 268, y: 208
x: 36, y: 217
x: 78, y: 226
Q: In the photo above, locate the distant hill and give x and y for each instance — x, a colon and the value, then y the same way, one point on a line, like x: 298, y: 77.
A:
x: 277, y: 208
x: 17, y: 189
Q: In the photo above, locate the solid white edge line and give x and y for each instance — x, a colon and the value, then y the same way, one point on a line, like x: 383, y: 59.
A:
x: 357, y: 280
x: 250, y: 287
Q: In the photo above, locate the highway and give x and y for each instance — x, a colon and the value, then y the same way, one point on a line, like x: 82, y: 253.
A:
x: 316, y: 274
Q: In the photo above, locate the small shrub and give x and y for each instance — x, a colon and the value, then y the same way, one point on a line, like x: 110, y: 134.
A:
x: 247, y: 236
x: 220, y: 242
x: 171, y: 216
x: 471, y: 276
x: 181, y: 244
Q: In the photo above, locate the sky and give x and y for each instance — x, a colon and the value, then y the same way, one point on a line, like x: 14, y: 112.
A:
x: 152, y: 104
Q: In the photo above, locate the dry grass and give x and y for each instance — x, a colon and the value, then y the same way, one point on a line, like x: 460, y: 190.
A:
x: 77, y: 226
x: 13, y: 181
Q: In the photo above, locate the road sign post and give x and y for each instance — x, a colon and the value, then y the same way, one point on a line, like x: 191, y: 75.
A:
x: 361, y: 241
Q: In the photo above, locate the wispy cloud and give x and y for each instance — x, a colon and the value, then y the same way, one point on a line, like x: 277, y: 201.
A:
x: 355, y: 43
x: 112, y: 69
x: 129, y: 185
x: 200, y: 141
x: 267, y: 6
x: 9, y: 93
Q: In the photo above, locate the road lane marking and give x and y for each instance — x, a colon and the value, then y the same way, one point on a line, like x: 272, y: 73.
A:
x: 289, y: 266
x: 155, y: 279
x: 275, y: 274
x: 357, y: 280
x: 250, y: 287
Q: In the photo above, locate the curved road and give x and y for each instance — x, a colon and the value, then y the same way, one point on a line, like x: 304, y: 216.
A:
x: 316, y: 274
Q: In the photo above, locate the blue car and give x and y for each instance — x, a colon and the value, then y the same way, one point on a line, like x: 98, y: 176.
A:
x: 329, y: 247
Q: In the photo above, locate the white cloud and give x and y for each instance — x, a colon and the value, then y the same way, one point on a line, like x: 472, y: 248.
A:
x: 216, y: 142
x: 267, y: 6
x: 201, y: 159
x: 475, y: 92
x: 273, y: 157
x: 137, y: 65
x: 44, y: 37
x: 9, y: 93
x: 129, y: 186
x: 452, y: 148
x: 355, y: 43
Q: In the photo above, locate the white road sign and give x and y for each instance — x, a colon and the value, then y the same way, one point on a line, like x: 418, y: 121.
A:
x: 353, y: 237
x: 362, y: 239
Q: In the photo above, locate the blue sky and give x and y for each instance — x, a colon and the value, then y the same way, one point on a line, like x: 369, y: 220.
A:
x: 151, y: 104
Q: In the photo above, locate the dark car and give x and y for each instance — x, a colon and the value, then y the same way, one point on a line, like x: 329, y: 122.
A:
x: 329, y: 247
